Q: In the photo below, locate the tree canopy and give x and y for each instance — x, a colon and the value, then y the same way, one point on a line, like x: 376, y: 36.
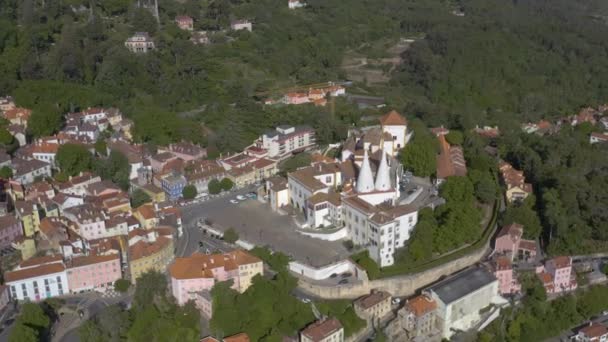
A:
x: 266, y: 311
x: 73, y: 159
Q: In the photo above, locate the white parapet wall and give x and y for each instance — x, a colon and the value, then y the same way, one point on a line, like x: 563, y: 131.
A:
x: 335, y: 236
x: 244, y: 244
x: 325, y: 272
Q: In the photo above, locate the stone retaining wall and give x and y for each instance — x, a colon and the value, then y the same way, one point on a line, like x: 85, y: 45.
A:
x: 398, y: 286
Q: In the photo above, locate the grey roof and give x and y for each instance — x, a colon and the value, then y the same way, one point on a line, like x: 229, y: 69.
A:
x: 463, y: 283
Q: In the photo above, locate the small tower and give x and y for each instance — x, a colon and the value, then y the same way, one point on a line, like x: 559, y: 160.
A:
x: 365, y: 181
x: 383, y: 176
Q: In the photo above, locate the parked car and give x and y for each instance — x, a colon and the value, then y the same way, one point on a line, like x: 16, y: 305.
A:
x: 333, y: 275
x: 252, y: 195
x: 343, y: 281
x: 241, y: 197
x: 233, y: 201
x: 396, y: 301
x: 305, y: 300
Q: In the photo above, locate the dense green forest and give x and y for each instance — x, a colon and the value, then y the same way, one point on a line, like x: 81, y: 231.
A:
x: 570, y: 177
x: 503, y: 60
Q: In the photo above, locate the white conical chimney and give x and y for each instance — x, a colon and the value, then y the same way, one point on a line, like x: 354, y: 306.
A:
x: 365, y: 181
x: 383, y: 177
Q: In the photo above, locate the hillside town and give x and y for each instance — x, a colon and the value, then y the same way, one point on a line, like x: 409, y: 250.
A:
x: 82, y: 234
x: 303, y: 171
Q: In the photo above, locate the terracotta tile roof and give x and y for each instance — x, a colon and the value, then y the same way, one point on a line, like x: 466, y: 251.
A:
x: 322, y: 329
x: 51, y: 226
x: 594, y: 330
x: 15, y: 113
x: 450, y: 160
x: 8, y: 221
x: 146, y: 211
x: 360, y: 204
x: 278, y: 183
x: 562, y: 261
x: 444, y: 164
x: 600, y: 136
x: 527, y: 245
x: 305, y: 178
x: 242, y: 337
x: 200, y: 265
x: 546, y: 278
x: 319, y: 197
x: 393, y: 118
x: 421, y: 305
x: 183, y: 18
x: 372, y: 299
x: 263, y: 163
x: 40, y: 261
x: 334, y: 198
x: 45, y: 148
x: 143, y: 249
x: 31, y: 272
x: 503, y: 263
x: 164, y: 157
x: 514, y: 230
x: 92, y: 259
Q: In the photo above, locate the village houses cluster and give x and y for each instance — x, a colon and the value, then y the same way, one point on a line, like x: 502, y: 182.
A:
x: 82, y: 234
x: 595, y: 117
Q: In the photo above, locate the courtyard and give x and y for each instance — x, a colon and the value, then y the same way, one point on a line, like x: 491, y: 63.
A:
x: 256, y: 223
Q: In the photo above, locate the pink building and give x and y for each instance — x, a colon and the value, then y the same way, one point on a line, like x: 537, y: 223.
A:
x: 557, y: 275
x: 10, y: 229
x: 184, y: 22
x: 200, y: 272
x: 296, y: 98
x: 509, y: 243
x: 93, y: 272
x: 507, y: 282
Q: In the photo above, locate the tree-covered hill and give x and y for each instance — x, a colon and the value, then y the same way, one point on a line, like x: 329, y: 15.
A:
x: 502, y: 60
x: 522, y: 59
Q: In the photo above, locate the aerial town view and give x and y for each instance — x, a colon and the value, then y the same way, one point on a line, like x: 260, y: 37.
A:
x: 314, y: 171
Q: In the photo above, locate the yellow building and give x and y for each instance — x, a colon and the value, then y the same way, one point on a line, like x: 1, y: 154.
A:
x: 156, y: 194
x: 27, y: 213
x: 146, y: 216
x: 150, y: 256
x: 27, y: 247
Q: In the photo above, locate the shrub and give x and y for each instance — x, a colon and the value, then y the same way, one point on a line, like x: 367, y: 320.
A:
x: 122, y: 285
x: 231, y: 236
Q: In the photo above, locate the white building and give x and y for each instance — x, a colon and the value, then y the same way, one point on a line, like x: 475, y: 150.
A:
x: 293, y: 4
x: 278, y: 192
x: 595, y: 137
x: 324, y: 330
x: 396, y: 125
x: 461, y: 297
x: 238, y: 25
x: 37, y: 279
x: 287, y: 140
x: 140, y: 42
x: 391, y: 136
x: 368, y: 209
x: 308, y: 181
x: 26, y: 171
x: 89, y: 220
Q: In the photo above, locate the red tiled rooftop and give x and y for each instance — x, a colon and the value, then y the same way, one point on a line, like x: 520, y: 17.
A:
x: 393, y: 118
x: 595, y: 330
x: 320, y: 330
x: 421, y: 305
